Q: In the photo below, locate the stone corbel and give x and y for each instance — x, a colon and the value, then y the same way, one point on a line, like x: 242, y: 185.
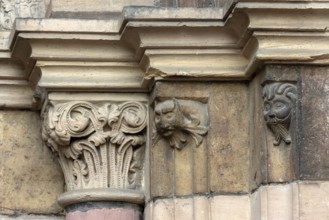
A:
x: 100, y: 147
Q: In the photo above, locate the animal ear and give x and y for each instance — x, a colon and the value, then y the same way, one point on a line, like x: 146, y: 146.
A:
x: 175, y: 101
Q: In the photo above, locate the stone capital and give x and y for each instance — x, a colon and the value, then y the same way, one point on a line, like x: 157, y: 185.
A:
x: 100, y: 143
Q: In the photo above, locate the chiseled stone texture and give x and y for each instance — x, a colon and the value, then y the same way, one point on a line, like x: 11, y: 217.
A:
x: 221, y: 162
x: 315, y: 123
x: 30, y: 176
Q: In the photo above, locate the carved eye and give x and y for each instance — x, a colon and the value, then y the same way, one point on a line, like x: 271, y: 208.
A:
x: 157, y: 118
x: 278, y: 105
x: 170, y: 115
x: 267, y: 107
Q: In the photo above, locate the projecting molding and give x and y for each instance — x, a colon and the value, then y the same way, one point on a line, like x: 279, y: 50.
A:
x: 131, y: 51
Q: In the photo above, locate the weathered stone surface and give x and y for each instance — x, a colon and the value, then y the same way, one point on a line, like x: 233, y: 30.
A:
x: 292, y: 201
x: 220, y: 163
x: 21, y: 9
x: 313, y: 200
x: 258, y: 154
x: 184, y: 208
x: 163, y: 209
x: 315, y: 123
x: 30, y: 177
x: 278, y: 201
x: 32, y: 217
x: 230, y: 207
x: 274, y: 160
x: 228, y: 146
x: 95, y: 6
x: 221, y: 207
x: 201, y: 208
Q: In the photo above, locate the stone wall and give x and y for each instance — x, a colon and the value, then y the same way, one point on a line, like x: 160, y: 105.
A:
x: 31, y: 178
x: 163, y: 110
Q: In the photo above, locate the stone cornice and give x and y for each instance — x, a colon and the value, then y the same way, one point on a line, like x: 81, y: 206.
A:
x: 137, y: 48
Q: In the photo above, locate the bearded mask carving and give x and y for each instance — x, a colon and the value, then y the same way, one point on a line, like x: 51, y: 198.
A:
x: 279, y: 105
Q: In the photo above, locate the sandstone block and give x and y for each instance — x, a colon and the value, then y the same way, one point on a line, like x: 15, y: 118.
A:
x: 230, y: 207
x: 163, y: 209
x: 315, y: 123
x: 314, y: 200
x: 220, y: 162
x: 30, y: 177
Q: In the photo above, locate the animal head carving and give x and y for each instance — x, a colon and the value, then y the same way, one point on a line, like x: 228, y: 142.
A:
x: 177, y: 125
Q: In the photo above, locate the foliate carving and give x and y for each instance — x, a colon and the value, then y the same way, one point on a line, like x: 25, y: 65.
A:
x: 279, y: 106
x: 181, y: 122
x: 10, y: 9
x: 98, y: 146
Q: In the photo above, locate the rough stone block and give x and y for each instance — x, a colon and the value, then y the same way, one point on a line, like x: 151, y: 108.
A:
x: 315, y: 123
x: 30, y: 177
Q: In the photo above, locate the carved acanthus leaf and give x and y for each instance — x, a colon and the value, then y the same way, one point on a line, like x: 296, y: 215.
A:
x: 97, y: 145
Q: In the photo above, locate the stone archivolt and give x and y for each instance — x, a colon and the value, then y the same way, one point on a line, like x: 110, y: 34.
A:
x: 177, y: 121
x: 99, y: 146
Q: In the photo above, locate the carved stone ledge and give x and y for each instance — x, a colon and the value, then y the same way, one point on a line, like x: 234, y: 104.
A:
x: 279, y: 106
x: 178, y: 121
x: 99, y: 145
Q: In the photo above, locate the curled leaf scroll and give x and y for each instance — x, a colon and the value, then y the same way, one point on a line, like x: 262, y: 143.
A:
x: 98, y: 146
